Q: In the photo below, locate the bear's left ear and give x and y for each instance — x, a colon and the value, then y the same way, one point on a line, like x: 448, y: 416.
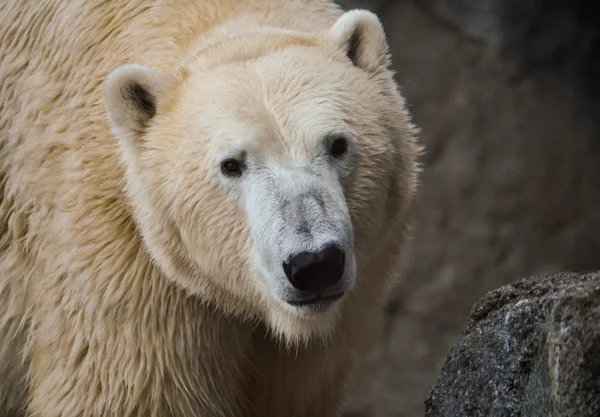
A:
x: 361, y: 36
x: 131, y: 94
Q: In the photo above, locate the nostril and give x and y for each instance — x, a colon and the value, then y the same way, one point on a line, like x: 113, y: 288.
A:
x: 313, y: 271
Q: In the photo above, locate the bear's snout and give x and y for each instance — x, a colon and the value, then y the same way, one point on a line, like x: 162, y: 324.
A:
x: 316, y: 271
x: 317, y: 277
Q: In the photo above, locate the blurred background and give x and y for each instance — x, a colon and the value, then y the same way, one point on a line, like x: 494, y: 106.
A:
x: 506, y: 93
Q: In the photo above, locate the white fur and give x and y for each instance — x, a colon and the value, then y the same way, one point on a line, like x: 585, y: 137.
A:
x: 137, y: 280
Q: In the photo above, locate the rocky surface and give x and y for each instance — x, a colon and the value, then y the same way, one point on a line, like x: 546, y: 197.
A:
x: 511, y: 127
x: 531, y: 348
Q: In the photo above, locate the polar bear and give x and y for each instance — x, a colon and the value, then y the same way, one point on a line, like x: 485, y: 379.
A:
x: 202, y: 205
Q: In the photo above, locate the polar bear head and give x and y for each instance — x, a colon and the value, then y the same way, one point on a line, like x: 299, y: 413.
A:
x: 266, y: 172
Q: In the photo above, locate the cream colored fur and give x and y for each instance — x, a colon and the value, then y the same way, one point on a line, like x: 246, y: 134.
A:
x: 127, y: 282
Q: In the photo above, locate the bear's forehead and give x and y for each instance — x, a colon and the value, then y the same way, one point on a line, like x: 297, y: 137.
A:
x: 267, y: 104
x: 260, y: 126
x: 285, y: 78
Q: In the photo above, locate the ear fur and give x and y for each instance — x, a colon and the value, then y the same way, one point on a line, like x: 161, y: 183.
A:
x: 361, y: 36
x: 131, y: 94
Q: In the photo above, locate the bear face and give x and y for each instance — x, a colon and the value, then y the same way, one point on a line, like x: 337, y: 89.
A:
x: 260, y: 174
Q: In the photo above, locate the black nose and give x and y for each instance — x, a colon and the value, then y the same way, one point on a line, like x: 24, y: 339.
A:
x: 314, y: 271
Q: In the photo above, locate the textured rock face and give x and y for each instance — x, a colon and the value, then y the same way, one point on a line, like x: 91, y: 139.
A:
x: 531, y: 348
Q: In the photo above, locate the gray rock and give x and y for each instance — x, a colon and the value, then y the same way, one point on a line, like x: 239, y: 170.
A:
x: 531, y: 348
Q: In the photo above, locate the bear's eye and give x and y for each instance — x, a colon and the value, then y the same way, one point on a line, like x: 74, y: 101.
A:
x: 339, y: 147
x: 231, y: 167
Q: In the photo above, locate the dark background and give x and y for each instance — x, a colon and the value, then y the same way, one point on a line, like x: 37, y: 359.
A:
x: 506, y: 93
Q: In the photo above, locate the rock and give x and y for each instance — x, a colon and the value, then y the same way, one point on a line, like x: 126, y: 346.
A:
x: 531, y: 348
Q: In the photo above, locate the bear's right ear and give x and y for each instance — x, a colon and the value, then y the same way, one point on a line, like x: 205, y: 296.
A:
x: 130, y: 94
